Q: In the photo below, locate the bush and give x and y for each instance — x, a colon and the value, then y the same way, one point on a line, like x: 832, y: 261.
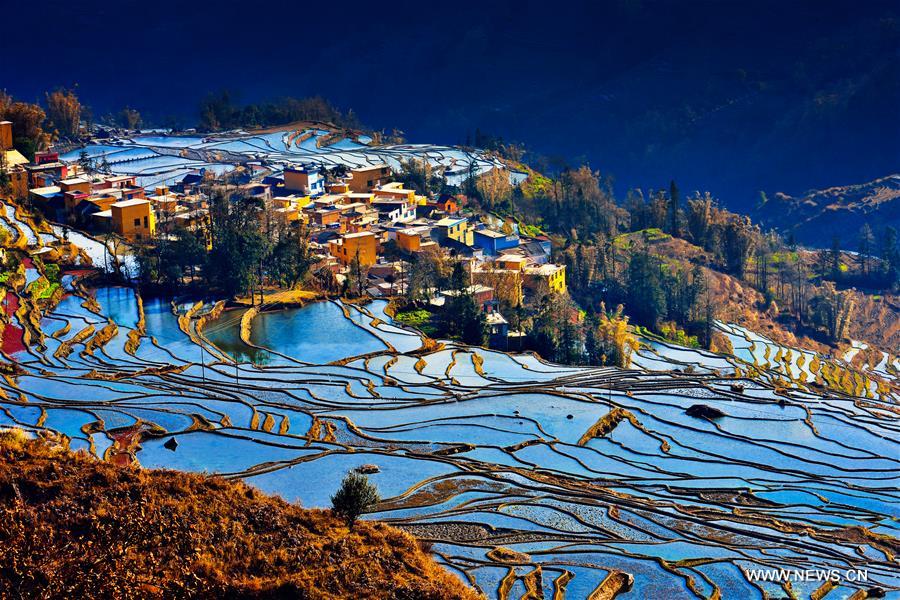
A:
x: 414, y: 318
x: 51, y: 272
x: 355, y: 497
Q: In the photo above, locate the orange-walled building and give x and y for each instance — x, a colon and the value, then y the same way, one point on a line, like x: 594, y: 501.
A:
x: 409, y: 241
x: 133, y: 219
x: 364, y: 244
x: 363, y: 180
x: 6, y: 136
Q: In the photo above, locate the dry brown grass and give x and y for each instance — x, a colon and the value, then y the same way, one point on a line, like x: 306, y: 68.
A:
x: 72, y: 526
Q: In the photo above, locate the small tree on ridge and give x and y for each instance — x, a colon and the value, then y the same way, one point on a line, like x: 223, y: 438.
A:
x: 355, y: 497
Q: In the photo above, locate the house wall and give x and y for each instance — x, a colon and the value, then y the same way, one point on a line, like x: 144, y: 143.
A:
x: 493, y: 245
x: 411, y: 242
x: 556, y: 281
x: 362, y: 180
x: 300, y: 181
x: 6, y: 138
x: 345, y: 252
x: 133, y: 222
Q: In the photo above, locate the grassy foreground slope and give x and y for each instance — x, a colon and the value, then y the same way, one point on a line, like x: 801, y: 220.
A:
x: 72, y: 526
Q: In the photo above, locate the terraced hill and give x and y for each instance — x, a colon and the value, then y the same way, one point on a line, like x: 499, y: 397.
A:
x: 165, y: 159
x: 672, y: 478
x: 819, y: 215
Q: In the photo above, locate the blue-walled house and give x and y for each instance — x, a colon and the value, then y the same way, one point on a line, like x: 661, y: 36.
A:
x: 493, y: 242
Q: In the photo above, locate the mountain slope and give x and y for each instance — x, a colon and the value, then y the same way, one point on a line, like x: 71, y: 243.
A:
x: 820, y: 215
x: 72, y: 526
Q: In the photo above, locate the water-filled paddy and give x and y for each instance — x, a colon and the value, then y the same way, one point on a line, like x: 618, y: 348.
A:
x: 513, y: 453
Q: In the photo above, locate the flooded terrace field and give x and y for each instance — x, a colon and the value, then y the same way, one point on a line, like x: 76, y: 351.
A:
x: 525, y: 476
x: 165, y: 159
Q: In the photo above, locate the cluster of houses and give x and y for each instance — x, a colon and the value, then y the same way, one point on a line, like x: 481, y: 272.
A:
x: 359, y: 218
x: 365, y: 219
x: 103, y: 203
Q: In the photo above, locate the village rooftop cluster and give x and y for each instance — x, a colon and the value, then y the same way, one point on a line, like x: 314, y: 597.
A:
x: 346, y: 219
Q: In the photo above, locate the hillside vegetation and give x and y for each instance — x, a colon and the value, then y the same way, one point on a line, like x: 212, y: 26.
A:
x: 676, y: 264
x: 75, y: 527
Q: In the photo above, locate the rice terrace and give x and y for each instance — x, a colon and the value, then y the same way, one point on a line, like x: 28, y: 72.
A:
x: 523, y: 474
x: 502, y: 301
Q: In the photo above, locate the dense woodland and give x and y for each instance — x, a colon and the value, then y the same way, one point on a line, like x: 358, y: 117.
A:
x: 220, y: 111
x: 246, y: 249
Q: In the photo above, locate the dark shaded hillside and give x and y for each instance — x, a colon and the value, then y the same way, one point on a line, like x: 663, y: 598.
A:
x: 731, y: 97
x: 819, y: 216
x: 74, y: 527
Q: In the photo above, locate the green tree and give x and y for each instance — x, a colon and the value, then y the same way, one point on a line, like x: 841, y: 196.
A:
x: 85, y: 162
x: 674, y: 208
x: 238, y: 244
x: 290, y: 261
x: 699, y: 218
x: 358, y: 276
x: 355, y: 497
x: 129, y: 118
x: 890, y: 255
x: 738, y: 244
x: 646, y: 299
x: 461, y: 317
x: 865, y: 248
x: 835, y: 258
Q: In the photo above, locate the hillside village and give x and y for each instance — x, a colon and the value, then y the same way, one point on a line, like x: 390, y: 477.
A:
x: 358, y: 224
x: 469, y: 242
x: 469, y: 264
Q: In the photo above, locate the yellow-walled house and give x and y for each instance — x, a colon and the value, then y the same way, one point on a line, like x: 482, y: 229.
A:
x: 13, y: 162
x: 295, y: 201
x: 133, y: 219
x: 363, y: 244
x: 553, y: 275
x: 454, y: 228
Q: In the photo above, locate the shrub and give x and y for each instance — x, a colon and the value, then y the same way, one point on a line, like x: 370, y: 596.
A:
x: 51, y: 272
x: 355, y: 497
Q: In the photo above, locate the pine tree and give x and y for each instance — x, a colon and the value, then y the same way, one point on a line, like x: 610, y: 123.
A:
x: 835, y: 258
x: 355, y: 497
x: 866, y: 241
x: 674, y: 202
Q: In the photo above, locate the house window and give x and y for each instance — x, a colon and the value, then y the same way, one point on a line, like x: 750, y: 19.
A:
x: 146, y: 226
x: 137, y: 222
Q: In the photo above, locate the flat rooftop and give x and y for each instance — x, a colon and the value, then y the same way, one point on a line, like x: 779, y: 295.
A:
x: 50, y: 190
x: 491, y: 233
x: 132, y: 202
x: 358, y: 235
x: 449, y: 221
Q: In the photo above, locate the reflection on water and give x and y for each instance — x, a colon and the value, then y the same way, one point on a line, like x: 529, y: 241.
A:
x: 582, y: 470
x: 225, y: 334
